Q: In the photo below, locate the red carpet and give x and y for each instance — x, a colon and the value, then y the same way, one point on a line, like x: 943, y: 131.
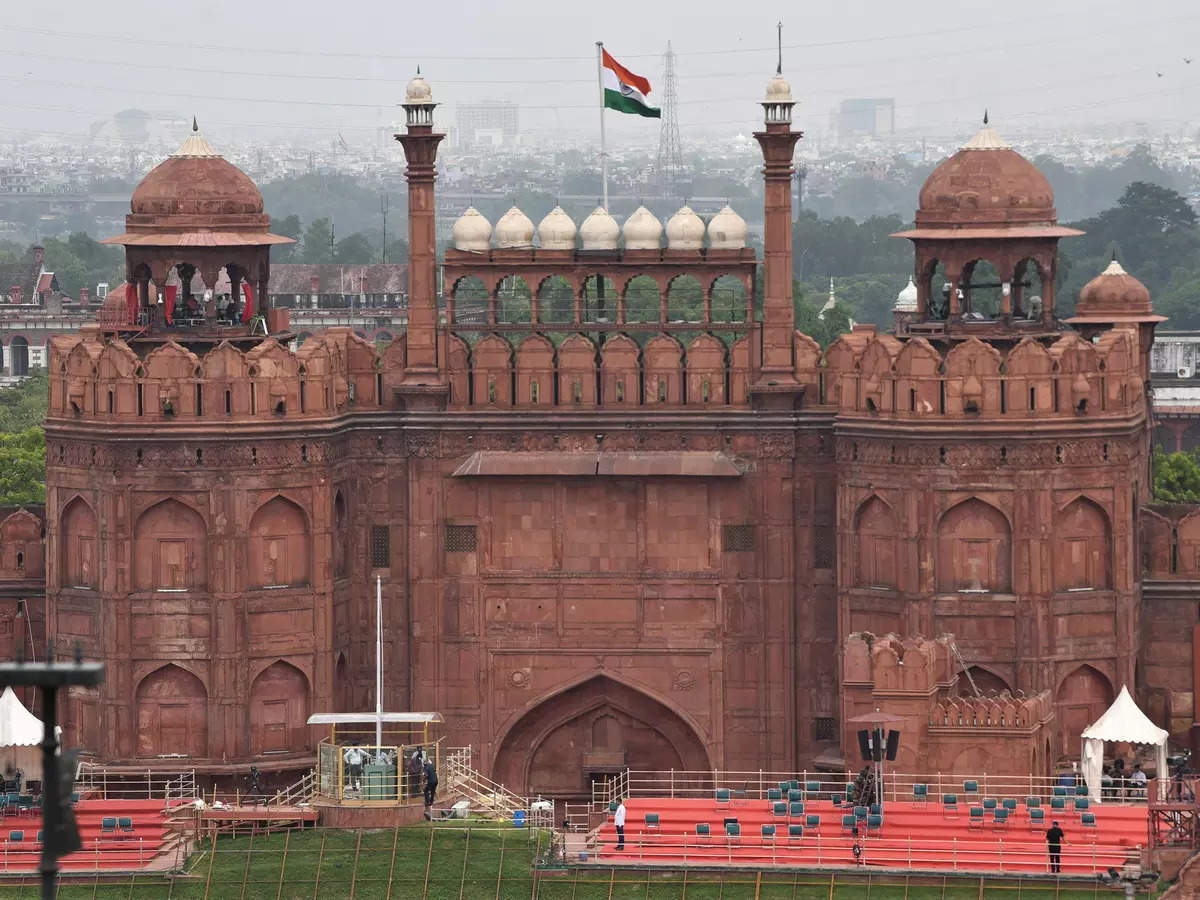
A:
x: 100, y: 851
x: 913, y: 836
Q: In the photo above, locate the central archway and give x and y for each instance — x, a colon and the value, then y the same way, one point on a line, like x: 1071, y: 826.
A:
x: 589, y: 731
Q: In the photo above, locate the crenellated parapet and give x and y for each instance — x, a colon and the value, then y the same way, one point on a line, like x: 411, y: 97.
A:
x: 994, y: 711
x: 864, y: 374
x: 99, y: 378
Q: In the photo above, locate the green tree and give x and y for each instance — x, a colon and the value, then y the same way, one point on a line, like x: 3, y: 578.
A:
x: 355, y: 249
x: 24, y: 406
x: 288, y: 226
x: 22, y: 467
x: 317, y: 239
x: 1176, y: 477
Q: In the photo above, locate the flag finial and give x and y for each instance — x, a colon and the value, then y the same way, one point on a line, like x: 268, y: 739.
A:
x: 985, y: 116
x: 418, y: 68
x: 779, y: 42
x: 195, y: 125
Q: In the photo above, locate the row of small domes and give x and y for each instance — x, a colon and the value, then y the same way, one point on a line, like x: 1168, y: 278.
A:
x: 599, y: 231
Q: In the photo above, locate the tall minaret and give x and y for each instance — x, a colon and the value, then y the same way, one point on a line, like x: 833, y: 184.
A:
x: 420, y: 149
x: 778, y: 142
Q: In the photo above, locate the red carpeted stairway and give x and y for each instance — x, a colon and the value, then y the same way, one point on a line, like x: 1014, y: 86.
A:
x: 134, y: 847
x: 912, y: 836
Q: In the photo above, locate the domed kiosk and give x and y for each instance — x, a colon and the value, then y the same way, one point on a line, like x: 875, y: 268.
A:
x: 986, y: 203
x: 195, y: 212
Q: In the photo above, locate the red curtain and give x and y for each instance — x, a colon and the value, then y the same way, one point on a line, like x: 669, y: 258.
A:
x: 131, y: 302
x: 248, y: 293
x: 169, y: 302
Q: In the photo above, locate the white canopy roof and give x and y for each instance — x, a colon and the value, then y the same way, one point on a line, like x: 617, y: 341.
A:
x: 18, y: 726
x: 409, y: 718
x: 1123, y: 721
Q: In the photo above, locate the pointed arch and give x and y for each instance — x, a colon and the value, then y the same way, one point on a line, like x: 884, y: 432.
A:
x: 706, y: 370
x: 278, y: 548
x: 1082, y: 697
x: 663, y: 371
x: 577, y: 371
x: 876, y: 562
x: 1082, y: 545
x: 550, y: 748
x: 986, y: 679
x: 79, y: 546
x: 491, y: 363
x: 974, y: 549
x: 279, y: 709
x: 169, y: 544
x: 534, y: 366
x: 620, y: 372
x: 172, y: 713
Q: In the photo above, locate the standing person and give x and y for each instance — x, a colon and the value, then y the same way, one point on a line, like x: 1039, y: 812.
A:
x: 431, y: 782
x: 1054, y: 842
x: 619, y: 821
x: 414, y: 773
x: 354, y: 763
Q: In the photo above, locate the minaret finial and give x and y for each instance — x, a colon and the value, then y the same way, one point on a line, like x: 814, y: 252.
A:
x: 195, y: 125
x: 418, y: 68
x: 985, y: 116
x: 779, y: 41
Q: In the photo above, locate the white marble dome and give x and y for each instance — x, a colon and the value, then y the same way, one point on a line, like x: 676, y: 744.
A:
x: 642, y: 230
x: 906, y: 300
x: 472, y: 231
x: 514, y: 230
x: 418, y: 90
x: 599, y: 231
x: 685, y: 230
x: 727, y: 230
x: 778, y: 90
x: 557, y: 231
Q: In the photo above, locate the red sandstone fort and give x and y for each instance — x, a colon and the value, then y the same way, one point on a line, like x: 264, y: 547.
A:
x: 675, y: 535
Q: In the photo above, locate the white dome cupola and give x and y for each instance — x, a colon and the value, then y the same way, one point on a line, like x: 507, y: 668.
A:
x: 685, y: 230
x: 514, y: 230
x: 472, y: 231
x: 642, y: 230
x: 599, y: 231
x: 727, y: 230
x: 557, y: 231
x: 906, y: 300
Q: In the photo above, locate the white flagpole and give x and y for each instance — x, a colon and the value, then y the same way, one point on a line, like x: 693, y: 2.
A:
x: 378, y: 663
x: 603, y: 149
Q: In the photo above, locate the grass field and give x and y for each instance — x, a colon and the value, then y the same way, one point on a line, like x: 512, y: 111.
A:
x: 474, y: 864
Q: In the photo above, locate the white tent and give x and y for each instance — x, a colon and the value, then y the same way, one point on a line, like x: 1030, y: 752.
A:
x: 21, y: 734
x: 1121, y: 722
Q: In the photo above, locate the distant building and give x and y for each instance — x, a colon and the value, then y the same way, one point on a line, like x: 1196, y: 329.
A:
x: 491, y: 124
x: 866, y: 116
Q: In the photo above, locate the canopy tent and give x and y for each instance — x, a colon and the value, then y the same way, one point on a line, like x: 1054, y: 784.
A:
x: 21, y: 734
x: 1121, y: 722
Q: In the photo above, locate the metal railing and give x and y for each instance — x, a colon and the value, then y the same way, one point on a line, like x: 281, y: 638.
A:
x: 480, y: 791
x: 301, y: 793
x: 28, y: 853
x: 756, y: 785
x: 974, y: 856
x: 99, y: 782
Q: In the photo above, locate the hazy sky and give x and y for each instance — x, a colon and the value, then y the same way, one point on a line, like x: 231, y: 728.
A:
x: 342, y: 65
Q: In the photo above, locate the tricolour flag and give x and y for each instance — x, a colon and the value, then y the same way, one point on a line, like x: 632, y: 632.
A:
x: 624, y: 91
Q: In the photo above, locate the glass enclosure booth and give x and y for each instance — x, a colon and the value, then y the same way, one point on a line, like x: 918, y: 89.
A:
x: 353, y: 768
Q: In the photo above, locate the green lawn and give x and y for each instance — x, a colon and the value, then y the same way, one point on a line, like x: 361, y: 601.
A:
x: 475, y: 864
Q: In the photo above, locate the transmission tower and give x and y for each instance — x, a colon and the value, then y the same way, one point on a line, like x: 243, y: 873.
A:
x: 672, y: 180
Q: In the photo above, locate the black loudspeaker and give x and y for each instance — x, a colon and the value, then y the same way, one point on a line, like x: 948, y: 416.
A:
x: 893, y: 744
x: 864, y: 744
x: 877, y: 742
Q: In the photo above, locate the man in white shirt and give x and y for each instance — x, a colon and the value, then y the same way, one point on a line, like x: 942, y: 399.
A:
x: 619, y: 821
x: 1138, y: 780
x: 353, y: 758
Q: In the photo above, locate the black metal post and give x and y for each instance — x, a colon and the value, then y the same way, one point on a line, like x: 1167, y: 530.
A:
x: 51, y: 808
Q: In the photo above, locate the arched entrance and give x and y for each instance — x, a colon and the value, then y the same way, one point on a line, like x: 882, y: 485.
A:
x: 1082, y: 698
x: 589, y: 732
x: 172, y: 713
x: 279, y: 710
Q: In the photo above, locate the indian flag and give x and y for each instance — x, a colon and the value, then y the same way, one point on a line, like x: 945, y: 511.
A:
x: 624, y: 91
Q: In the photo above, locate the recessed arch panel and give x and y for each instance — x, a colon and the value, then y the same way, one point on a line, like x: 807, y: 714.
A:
x: 974, y: 549
x: 169, y: 548
x: 279, y: 709
x: 172, y: 714
x: 79, y: 548
x: 278, y: 546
